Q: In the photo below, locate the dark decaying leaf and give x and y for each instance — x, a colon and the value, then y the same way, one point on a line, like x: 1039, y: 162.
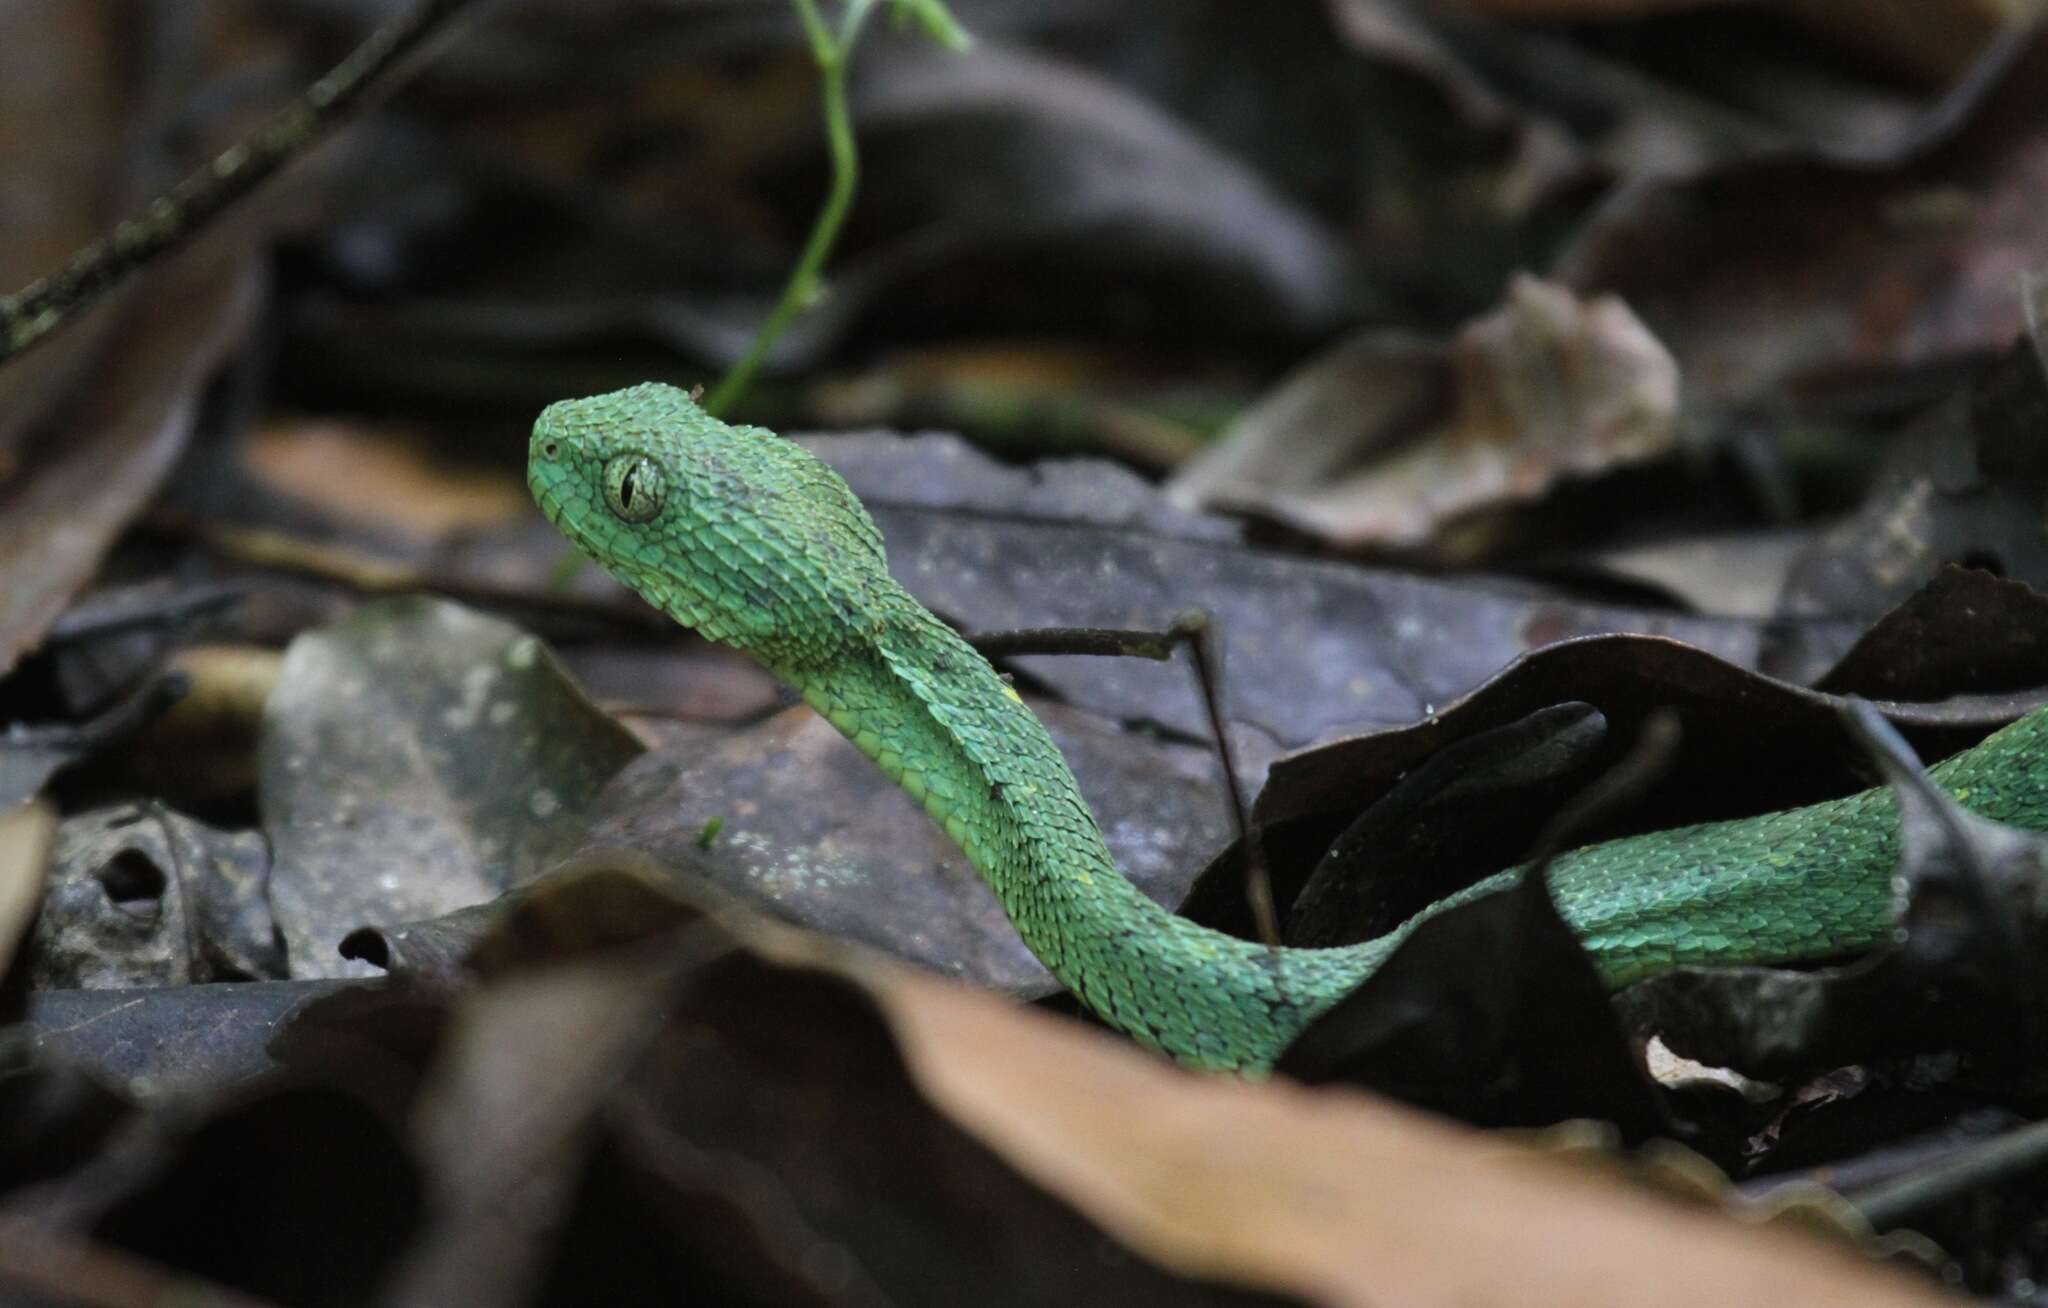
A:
x: 54, y: 1117
x: 1966, y: 632
x: 113, y: 636
x: 141, y: 896
x: 1789, y: 271
x: 2009, y: 398
x: 1663, y: 87
x: 1310, y: 647
x: 1730, y: 717
x: 659, y: 1109
x: 1964, y: 483
x: 175, y: 1041
x: 31, y: 755
x: 304, y: 1194
x: 95, y: 463
x: 418, y: 758
x: 1090, y: 178
x: 1967, y: 971
x: 807, y: 830
x: 1493, y: 1013
x: 677, y: 1115
x: 201, y: 754
x: 1006, y: 165
x: 1386, y: 865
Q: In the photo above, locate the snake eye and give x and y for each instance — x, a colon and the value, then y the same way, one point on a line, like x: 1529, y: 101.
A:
x: 634, y: 487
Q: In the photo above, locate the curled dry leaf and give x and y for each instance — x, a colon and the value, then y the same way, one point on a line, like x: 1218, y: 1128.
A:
x: 1377, y: 872
x: 1357, y: 448
x: 1728, y: 712
x: 1333, y: 1196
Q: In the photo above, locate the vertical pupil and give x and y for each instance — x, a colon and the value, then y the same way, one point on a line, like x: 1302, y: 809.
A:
x: 626, y: 485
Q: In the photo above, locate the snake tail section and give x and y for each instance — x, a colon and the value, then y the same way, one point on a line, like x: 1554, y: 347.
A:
x: 751, y: 541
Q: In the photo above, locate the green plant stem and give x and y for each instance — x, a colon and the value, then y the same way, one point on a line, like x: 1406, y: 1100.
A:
x: 806, y: 282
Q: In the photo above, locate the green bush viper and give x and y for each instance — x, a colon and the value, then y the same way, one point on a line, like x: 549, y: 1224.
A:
x: 753, y: 542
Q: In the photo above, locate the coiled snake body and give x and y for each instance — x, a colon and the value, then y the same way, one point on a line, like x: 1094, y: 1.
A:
x: 750, y: 540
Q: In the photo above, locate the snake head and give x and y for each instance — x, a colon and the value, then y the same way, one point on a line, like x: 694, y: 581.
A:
x: 733, y: 531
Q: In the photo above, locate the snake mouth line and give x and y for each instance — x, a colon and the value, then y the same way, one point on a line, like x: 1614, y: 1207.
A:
x: 550, y: 502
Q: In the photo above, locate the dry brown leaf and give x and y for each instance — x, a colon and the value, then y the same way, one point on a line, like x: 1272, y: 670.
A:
x: 1329, y: 1195
x: 204, y: 747
x: 1356, y: 447
x: 1332, y: 1195
x: 25, y: 832
x: 105, y: 456
x: 62, y: 104
x: 382, y: 480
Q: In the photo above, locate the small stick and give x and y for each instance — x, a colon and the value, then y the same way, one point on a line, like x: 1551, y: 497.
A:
x: 1111, y: 642
x: 175, y: 217
x: 2006, y: 1157
x: 1197, y: 631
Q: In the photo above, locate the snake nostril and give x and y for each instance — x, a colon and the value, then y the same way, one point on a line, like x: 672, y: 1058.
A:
x: 549, y: 449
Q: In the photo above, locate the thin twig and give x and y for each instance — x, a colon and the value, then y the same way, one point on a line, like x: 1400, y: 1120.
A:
x: 1109, y: 642
x: 2002, y: 1158
x: 1197, y: 631
x: 175, y: 217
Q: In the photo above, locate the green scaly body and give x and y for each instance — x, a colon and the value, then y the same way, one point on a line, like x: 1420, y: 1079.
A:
x: 750, y: 540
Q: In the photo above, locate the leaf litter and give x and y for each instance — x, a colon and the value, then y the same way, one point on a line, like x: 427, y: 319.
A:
x: 593, y: 1071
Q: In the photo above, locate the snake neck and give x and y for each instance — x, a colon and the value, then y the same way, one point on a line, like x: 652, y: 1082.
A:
x: 938, y: 720
x: 928, y: 709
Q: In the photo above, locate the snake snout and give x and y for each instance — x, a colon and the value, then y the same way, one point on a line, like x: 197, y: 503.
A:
x: 547, y: 444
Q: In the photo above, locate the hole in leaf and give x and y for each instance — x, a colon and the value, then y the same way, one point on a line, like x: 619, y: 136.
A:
x: 133, y: 882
